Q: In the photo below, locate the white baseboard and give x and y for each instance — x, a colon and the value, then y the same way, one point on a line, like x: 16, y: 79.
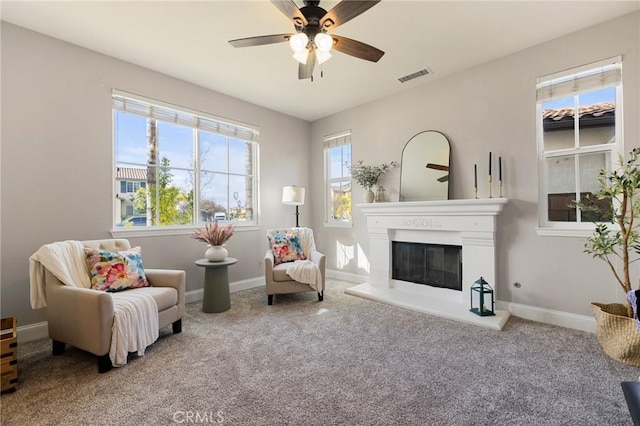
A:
x: 28, y: 333
x: 548, y: 316
x: 246, y: 284
x: 196, y: 295
x: 346, y: 276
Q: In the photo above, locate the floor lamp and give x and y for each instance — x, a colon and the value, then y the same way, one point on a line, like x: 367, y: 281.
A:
x: 293, y: 196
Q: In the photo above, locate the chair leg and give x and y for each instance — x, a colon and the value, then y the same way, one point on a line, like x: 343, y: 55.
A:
x: 320, y: 296
x: 57, y: 348
x: 269, y: 299
x: 104, y: 364
x: 177, y: 326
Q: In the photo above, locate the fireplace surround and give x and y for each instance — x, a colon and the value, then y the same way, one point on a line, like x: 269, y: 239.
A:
x: 470, y: 224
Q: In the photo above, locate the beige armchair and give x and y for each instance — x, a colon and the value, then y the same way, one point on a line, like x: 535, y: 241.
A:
x: 276, y: 279
x: 83, y: 317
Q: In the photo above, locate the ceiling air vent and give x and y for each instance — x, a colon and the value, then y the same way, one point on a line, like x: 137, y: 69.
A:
x: 414, y: 75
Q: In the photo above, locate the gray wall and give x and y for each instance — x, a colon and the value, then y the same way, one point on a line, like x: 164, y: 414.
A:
x: 57, y: 159
x: 492, y: 107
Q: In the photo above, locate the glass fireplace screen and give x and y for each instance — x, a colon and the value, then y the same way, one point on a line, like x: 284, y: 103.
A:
x: 430, y: 264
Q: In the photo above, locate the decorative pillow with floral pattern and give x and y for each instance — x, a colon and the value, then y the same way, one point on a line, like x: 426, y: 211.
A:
x: 116, y: 271
x: 286, y: 246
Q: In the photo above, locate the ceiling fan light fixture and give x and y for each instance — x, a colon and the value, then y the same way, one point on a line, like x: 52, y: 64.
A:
x: 323, y: 42
x: 298, y: 42
x: 311, y: 42
x: 301, y: 56
x: 322, y: 57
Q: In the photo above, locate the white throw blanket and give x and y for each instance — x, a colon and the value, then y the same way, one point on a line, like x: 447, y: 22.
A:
x: 305, y: 271
x: 306, y: 240
x: 135, y: 323
x: 65, y: 260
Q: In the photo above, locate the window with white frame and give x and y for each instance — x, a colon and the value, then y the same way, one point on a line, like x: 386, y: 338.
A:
x: 579, y: 114
x: 337, y: 160
x: 188, y: 165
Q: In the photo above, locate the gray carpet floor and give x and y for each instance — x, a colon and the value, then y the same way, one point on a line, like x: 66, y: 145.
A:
x: 343, y: 361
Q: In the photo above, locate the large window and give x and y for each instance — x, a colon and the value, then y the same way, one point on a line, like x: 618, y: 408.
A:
x: 579, y: 134
x: 189, y: 167
x: 337, y: 155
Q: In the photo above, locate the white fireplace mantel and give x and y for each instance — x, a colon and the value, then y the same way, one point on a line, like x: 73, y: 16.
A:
x: 470, y: 224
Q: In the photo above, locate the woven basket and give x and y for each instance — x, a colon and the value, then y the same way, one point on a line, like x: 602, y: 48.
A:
x: 617, y: 333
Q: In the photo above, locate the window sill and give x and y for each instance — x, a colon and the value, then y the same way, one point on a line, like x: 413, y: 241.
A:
x: 338, y: 224
x: 165, y: 231
x: 564, y: 232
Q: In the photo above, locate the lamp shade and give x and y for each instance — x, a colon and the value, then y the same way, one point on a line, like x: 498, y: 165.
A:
x: 298, y: 42
x: 301, y: 56
x: 323, y: 42
x: 322, y: 57
x: 293, y: 195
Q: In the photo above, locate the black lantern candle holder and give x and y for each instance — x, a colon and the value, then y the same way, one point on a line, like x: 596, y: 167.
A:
x: 482, y: 301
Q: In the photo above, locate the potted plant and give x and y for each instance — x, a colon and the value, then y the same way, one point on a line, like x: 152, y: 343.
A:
x: 368, y: 176
x: 616, y: 328
x: 215, y: 235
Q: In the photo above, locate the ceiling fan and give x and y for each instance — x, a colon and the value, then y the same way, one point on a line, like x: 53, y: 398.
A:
x: 311, y: 43
x: 440, y: 167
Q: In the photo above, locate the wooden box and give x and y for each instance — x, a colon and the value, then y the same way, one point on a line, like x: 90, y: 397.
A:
x: 8, y: 354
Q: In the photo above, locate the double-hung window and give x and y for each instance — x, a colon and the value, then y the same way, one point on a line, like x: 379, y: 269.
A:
x: 175, y: 166
x: 337, y: 160
x: 579, y: 113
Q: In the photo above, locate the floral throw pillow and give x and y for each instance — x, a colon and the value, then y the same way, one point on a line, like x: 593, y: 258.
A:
x: 116, y: 271
x: 286, y: 246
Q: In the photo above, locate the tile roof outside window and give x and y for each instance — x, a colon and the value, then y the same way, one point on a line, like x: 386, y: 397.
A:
x: 595, y: 110
x: 128, y: 173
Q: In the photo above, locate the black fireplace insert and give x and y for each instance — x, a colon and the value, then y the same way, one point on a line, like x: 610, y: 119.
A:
x: 436, y: 265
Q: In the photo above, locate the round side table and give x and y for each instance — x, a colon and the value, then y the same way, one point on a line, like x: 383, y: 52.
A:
x: 216, y: 296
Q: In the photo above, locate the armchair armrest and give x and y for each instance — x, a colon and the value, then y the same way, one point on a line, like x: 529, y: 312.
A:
x: 318, y: 258
x: 169, y: 278
x: 81, y: 317
x: 268, y: 266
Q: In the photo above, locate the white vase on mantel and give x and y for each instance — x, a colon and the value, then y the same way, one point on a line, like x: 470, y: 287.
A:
x: 216, y: 253
x: 368, y: 196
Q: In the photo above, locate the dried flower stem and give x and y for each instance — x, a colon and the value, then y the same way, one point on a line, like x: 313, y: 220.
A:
x: 214, y: 233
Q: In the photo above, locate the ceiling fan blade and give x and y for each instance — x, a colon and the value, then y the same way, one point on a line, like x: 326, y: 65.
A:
x: 291, y: 11
x: 306, y: 70
x: 444, y: 178
x: 345, y: 11
x: 437, y: 167
x: 260, y: 40
x: 356, y: 48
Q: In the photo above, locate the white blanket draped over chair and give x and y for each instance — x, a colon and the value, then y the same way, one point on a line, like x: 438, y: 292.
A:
x: 299, y: 275
x: 306, y: 271
x: 135, y: 323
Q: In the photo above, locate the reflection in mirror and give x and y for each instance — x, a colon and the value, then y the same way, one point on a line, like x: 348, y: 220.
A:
x: 425, y: 168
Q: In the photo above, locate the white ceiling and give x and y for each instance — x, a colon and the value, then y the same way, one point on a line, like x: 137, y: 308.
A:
x: 189, y: 40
